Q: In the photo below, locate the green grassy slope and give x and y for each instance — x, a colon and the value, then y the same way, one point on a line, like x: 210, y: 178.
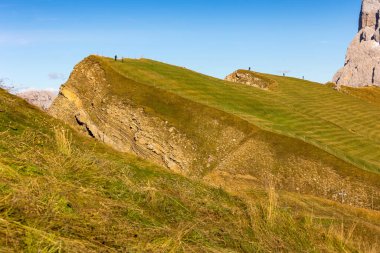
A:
x: 344, y: 126
x: 61, y: 192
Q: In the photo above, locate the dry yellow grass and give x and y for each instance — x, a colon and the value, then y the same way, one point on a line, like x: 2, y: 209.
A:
x: 63, y: 140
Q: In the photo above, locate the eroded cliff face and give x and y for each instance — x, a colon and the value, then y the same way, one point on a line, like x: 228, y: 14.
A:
x: 362, y: 64
x: 210, y: 144
x: 84, y: 102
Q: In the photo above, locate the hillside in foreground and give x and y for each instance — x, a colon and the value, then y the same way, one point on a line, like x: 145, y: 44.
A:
x: 63, y: 192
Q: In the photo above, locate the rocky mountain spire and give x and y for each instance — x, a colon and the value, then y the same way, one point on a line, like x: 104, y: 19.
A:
x: 362, y: 65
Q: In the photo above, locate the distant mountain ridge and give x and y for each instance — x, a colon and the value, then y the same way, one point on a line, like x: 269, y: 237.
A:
x: 40, y: 98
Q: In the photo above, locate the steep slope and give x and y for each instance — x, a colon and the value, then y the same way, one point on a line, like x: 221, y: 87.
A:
x: 205, y: 127
x: 61, y: 192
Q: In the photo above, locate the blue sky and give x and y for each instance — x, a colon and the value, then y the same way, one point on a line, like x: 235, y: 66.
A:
x: 42, y: 40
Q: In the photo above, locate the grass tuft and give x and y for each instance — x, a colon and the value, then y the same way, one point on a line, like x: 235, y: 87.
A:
x: 272, y: 201
x: 63, y: 140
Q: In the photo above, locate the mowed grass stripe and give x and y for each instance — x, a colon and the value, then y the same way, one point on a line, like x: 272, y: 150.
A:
x: 336, y: 108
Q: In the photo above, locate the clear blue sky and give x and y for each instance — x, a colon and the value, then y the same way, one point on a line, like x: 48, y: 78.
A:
x: 42, y: 40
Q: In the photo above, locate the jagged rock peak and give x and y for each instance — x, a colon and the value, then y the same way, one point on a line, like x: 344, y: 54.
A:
x: 369, y: 15
x: 362, y: 65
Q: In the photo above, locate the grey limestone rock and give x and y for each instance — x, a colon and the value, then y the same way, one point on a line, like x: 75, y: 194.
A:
x: 362, y: 64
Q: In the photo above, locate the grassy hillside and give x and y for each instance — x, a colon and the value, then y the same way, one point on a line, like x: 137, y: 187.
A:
x: 61, y: 192
x: 340, y: 124
x: 218, y: 146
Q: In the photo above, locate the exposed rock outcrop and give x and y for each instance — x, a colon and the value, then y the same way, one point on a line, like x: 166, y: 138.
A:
x: 251, y: 79
x: 362, y: 65
x: 84, y: 102
x: 39, y: 98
